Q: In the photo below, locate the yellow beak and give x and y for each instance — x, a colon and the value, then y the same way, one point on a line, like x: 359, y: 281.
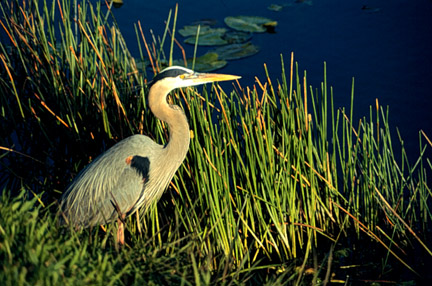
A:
x: 201, y: 78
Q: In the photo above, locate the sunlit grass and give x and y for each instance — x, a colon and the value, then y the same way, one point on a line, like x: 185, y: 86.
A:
x: 275, y: 179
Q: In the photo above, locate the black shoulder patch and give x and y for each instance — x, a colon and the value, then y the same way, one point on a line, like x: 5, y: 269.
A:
x: 141, y: 165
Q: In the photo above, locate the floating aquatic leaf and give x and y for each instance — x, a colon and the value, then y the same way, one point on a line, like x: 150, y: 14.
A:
x: 275, y: 7
x: 370, y: 9
x: 270, y: 24
x: 209, y: 62
x: 142, y: 64
x: 205, y: 63
x: 206, y: 22
x: 211, y: 39
x: 192, y: 30
x: 236, y: 51
x: 237, y: 37
x: 248, y: 23
x: 207, y: 36
x: 307, y: 2
x: 188, y: 31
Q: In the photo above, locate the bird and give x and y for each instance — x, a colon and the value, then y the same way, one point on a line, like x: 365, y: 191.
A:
x: 134, y: 172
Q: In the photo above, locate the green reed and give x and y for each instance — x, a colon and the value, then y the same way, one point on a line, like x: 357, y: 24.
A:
x: 274, y: 171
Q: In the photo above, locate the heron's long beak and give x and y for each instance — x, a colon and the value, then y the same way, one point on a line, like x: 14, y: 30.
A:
x: 201, y: 78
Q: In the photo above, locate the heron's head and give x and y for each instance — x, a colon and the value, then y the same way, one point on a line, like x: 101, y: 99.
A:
x: 175, y: 77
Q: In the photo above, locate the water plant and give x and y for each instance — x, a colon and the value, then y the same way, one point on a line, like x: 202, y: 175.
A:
x: 278, y: 186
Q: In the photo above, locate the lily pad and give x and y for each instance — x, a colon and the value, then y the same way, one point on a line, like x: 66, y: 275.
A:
x: 253, y: 24
x: 236, y: 51
x: 370, y: 9
x: 211, y: 39
x: 207, y: 22
x: 275, y: 7
x: 142, y: 64
x: 192, y: 30
x: 237, y: 37
x: 205, y: 63
x: 307, y: 2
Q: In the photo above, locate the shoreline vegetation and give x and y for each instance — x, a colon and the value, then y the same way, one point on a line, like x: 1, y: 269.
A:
x: 278, y: 188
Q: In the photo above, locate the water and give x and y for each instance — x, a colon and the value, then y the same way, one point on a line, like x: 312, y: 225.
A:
x: 386, y: 51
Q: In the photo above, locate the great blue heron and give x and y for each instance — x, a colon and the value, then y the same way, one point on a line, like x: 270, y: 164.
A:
x: 135, y: 171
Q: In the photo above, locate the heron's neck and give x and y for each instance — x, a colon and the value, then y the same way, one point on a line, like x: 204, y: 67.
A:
x: 179, y: 134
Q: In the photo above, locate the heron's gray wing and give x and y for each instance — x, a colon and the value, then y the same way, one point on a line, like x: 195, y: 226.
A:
x: 130, y: 186
x: 116, y: 178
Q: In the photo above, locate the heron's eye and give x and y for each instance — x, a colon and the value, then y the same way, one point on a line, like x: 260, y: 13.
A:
x: 182, y: 76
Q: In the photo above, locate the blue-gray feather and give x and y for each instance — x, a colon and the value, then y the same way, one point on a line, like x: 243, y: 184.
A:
x: 88, y: 200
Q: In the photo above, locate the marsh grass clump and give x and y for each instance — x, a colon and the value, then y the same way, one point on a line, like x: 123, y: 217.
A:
x: 278, y: 186
x: 67, y: 88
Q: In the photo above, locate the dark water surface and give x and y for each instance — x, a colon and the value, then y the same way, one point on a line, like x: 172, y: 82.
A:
x: 388, y: 51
